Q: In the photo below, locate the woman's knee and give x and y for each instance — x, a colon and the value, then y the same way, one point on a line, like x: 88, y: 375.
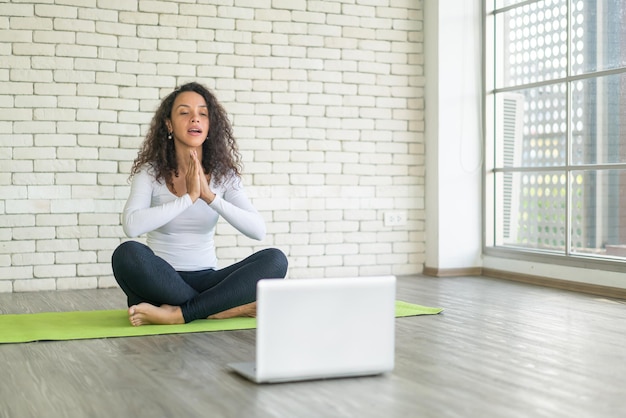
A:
x: 278, y: 259
x: 126, y: 251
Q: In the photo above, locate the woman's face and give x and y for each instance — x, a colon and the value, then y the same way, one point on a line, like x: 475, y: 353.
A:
x: 189, y: 121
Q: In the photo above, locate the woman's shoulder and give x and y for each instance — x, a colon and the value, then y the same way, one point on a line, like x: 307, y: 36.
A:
x: 230, y: 181
x: 147, y: 172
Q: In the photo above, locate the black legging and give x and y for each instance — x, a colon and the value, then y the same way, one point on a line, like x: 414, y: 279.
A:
x: 145, y: 277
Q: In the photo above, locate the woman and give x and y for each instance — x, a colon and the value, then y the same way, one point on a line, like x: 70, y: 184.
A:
x: 186, y: 175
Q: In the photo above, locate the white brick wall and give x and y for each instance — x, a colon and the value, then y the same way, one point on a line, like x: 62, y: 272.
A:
x: 326, y: 100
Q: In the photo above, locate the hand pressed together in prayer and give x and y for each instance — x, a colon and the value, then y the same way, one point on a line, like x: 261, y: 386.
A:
x: 197, y: 182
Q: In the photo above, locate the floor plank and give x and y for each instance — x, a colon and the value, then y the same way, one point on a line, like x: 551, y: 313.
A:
x: 500, y: 349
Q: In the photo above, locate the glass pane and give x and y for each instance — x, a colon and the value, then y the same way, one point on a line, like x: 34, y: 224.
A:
x: 531, y: 43
x: 530, y: 211
x: 531, y: 128
x: 599, y: 212
x: 599, y: 120
x: 598, y: 39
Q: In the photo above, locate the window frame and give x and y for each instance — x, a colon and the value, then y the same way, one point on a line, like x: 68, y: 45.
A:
x: 489, y: 200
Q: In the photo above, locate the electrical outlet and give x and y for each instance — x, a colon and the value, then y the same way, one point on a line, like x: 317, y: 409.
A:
x: 394, y: 218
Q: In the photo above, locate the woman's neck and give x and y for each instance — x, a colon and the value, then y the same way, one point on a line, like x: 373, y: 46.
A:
x: 183, y: 157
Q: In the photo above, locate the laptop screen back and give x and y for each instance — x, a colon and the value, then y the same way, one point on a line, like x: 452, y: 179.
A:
x: 315, y: 328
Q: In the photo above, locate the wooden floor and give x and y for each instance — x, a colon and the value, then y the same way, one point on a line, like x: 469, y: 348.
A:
x: 500, y: 349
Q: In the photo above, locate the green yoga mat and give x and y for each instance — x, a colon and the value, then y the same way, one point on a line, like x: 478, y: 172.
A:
x: 77, y: 325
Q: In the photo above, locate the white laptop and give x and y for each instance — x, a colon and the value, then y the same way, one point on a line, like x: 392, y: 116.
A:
x: 322, y: 328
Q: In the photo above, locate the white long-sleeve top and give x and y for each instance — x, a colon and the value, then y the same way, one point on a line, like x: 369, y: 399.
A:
x: 180, y: 231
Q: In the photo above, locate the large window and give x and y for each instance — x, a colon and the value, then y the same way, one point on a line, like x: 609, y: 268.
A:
x: 556, y: 127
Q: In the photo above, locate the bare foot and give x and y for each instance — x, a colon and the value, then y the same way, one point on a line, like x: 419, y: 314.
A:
x: 248, y: 310
x: 145, y: 313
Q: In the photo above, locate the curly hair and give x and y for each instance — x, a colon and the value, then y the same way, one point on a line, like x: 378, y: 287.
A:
x: 220, y: 154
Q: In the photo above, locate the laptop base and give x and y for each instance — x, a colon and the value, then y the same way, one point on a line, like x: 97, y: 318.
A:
x: 248, y: 370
